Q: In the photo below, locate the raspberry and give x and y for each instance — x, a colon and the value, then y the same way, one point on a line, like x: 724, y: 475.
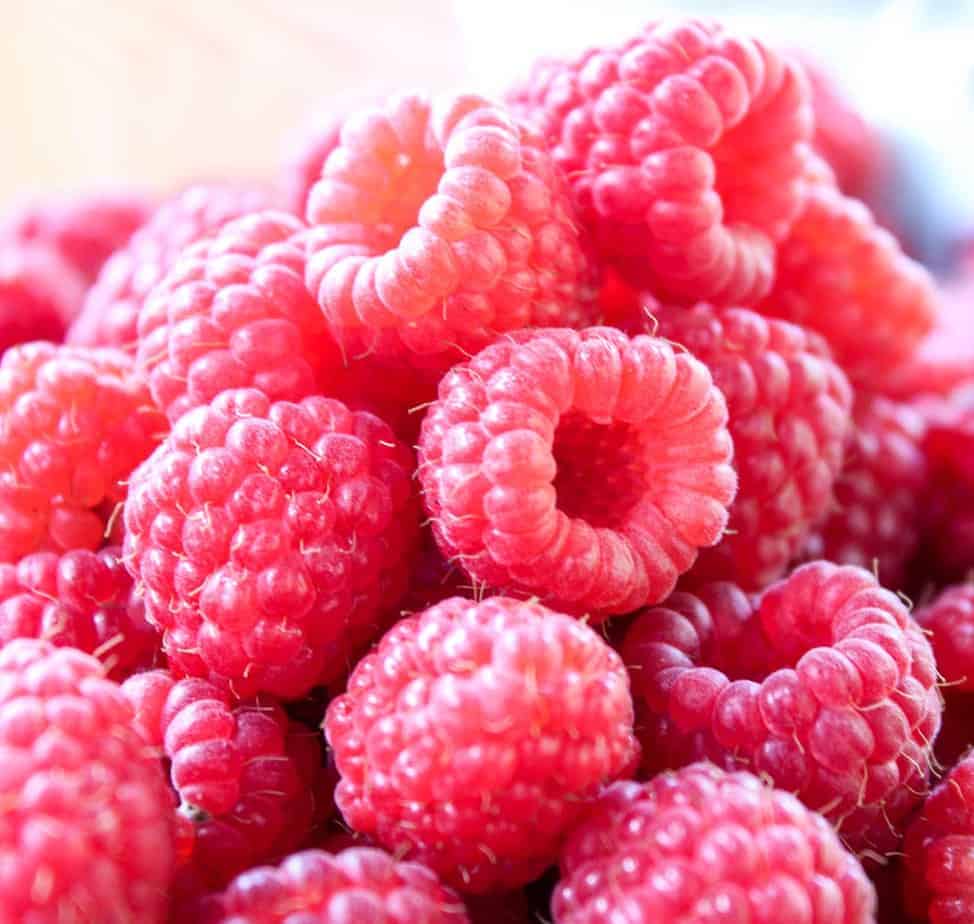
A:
x: 683, y: 147
x: 358, y: 886
x: 939, y: 849
x: 74, y: 423
x: 270, y: 538
x: 949, y: 621
x: 83, y: 599
x: 825, y: 685
x: 701, y: 845
x: 472, y: 736
x: 85, y: 832
x: 243, y: 773
x: 111, y: 310
x: 585, y: 468
x: 842, y: 275
x: 436, y: 226
x: 233, y: 312
x: 789, y: 411
x: 879, y: 494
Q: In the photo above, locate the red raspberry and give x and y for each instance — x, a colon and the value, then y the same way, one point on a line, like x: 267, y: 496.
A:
x: 683, y: 147
x: 437, y: 226
x: 949, y: 621
x: 825, y: 685
x: 74, y: 423
x: 243, y: 772
x: 472, y: 736
x: 233, y: 312
x: 876, y: 518
x: 939, y: 882
x: 700, y: 846
x: 111, y: 310
x: 270, y: 537
x: 789, y: 412
x: 82, y: 599
x: 85, y: 832
x: 585, y: 468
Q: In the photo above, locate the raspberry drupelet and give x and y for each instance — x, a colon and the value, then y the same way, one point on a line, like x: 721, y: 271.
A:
x: 788, y: 410
x: 702, y: 845
x: 271, y: 539
x: 86, y: 832
x: 825, y: 685
x: 74, y: 423
x: 472, y: 737
x: 584, y: 468
x: 233, y: 312
x: 683, y: 148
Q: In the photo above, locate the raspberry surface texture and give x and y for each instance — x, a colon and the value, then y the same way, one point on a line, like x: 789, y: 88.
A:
x: 111, y: 309
x: 701, y: 845
x: 306, y: 158
x: 788, y: 414
x: 825, y: 685
x: 683, y: 147
x: 471, y: 738
x: 86, y: 830
x: 584, y: 468
x: 271, y: 538
x: 949, y: 622
x: 233, y: 312
x: 74, y: 423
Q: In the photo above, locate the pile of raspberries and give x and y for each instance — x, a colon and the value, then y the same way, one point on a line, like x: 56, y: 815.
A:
x: 553, y: 509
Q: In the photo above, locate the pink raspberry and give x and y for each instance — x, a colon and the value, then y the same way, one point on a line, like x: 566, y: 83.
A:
x: 683, y: 147
x: 233, y: 312
x: 584, y: 468
x: 82, y: 599
x: 85, y: 832
x: 700, y: 846
x: 111, y: 309
x: 271, y: 539
x: 74, y: 423
x: 789, y: 412
x: 825, y: 685
x: 949, y: 621
x: 939, y: 882
x: 471, y: 738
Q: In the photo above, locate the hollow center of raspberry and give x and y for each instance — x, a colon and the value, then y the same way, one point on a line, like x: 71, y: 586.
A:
x: 601, y: 469
x: 413, y: 178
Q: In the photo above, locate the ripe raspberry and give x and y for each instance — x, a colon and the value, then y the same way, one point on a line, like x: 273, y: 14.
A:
x: 789, y: 412
x: 85, y: 832
x: 74, y: 423
x: 111, y: 310
x: 270, y: 537
x: 939, y: 848
x: 949, y: 621
x: 82, y: 599
x: 876, y: 518
x: 436, y: 226
x: 683, y: 147
x: 826, y: 685
x: 701, y: 845
x: 585, y: 468
x: 233, y: 312
x: 471, y: 738
x: 243, y: 772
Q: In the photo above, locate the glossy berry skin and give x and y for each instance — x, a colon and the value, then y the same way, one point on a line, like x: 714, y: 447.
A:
x: 825, y: 685
x: 86, y: 830
x: 436, y: 225
x: 788, y: 410
x: 583, y: 468
x: 683, y: 148
x: 80, y: 599
x: 471, y: 738
x: 74, y: 423
x: 938, y: 884
x: 701, y: 845
x: 111, y: 308
x: 271, y: 538
x: 233, y: 312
